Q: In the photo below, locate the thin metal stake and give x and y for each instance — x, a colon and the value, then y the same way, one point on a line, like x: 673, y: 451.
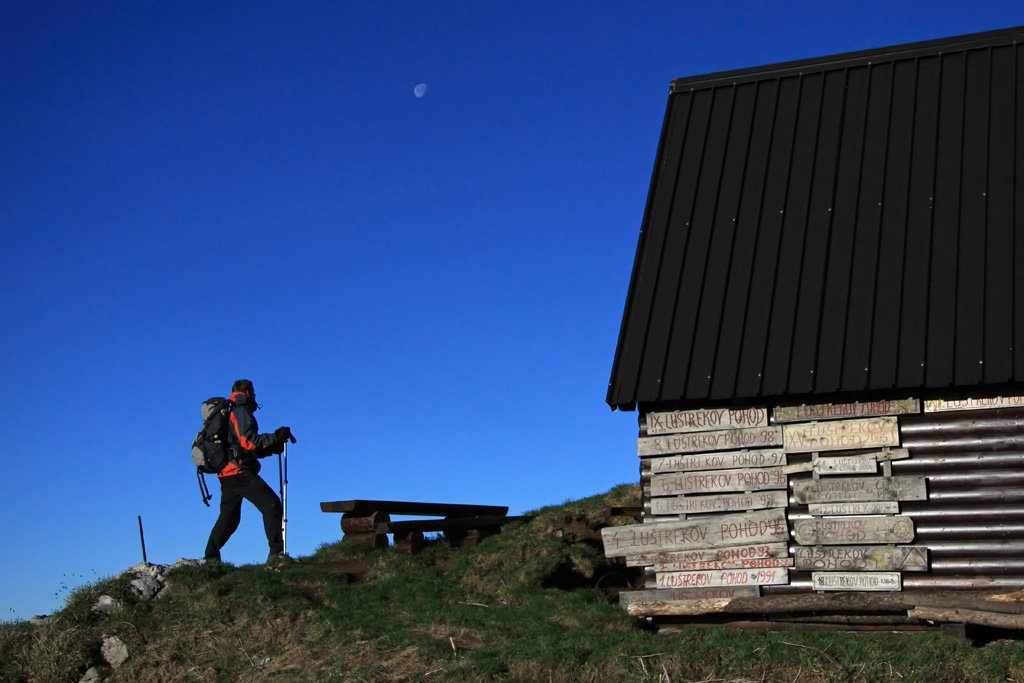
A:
x: 142, y: 539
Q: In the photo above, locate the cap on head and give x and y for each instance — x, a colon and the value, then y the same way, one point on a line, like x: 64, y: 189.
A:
x: 243, y: 385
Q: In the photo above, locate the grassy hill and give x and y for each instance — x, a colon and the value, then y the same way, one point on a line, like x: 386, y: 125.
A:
x: 529, y: 604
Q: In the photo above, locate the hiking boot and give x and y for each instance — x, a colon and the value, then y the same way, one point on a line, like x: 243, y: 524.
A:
x: 279, y: 559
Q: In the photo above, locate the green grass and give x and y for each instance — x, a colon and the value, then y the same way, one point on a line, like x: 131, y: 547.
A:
x: 522, y: 606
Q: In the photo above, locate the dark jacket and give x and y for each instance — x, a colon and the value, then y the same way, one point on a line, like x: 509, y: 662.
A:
x: 246, y: 441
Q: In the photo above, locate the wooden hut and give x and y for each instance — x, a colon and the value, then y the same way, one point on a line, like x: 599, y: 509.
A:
x: 824, y: 340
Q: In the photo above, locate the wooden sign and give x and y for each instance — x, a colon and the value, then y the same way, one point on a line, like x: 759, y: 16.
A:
x: 853, y: 530
x: 859, y: 489
x: 682, y: 483
x: 718, y: 461
x: 974, y: 404
x: 862, y: 463
x: 695, y: 442
x: 698, y: 566
x: 733, y: 502
x: 705, y: 420
x: 841, y: 435
x: 870, y: 558
x: 842, y: 581
x: 631, y: 598
x: 875, y: 507
x: 738, y: 553
x: 845, y: 464
x: 723, y: 577
x: 845, y: 411
x: 694, y: 534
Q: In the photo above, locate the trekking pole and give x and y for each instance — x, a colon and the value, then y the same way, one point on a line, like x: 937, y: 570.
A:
x: 283, y: 482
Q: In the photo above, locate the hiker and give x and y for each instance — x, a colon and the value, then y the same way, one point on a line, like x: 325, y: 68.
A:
x: 240, y: 478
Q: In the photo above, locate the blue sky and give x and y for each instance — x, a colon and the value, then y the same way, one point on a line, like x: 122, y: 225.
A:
x: 427, y: 289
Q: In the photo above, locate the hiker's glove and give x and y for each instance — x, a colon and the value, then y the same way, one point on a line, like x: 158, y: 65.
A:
x: 283, y: 434
x: 277, y: 448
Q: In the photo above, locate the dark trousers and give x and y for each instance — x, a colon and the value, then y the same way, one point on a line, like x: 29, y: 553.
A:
x: 252, y: 488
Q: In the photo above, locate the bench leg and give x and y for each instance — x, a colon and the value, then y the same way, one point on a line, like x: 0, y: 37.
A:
x: 409, y: 542
x: 363, y: 529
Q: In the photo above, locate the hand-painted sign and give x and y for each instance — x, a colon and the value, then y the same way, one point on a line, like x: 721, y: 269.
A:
x: 859, y: 489
x: 698, y: 566
x: 723, y: 577
x: 842, y: 411
x: 681, y: 483
x: 871, y: 558
x: 694, y: 442
x: 733, y: 502
x: 718, y: 461
x: 862, y: 463
x: 853, y: 530
x: 705, y: 420
x: 736, y: 553
x: 841, y: 435
x: 704, y: 532
x: 974, y: 404
x: 874, y: 507
x: 842, y: 581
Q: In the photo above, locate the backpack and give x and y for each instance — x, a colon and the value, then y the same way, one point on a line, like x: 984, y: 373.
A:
x: 211, y: 449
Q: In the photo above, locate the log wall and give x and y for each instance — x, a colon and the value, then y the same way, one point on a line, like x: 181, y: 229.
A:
x: 881, y: 497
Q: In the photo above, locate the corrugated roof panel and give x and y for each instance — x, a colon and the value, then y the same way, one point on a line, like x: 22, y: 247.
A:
x: 838, y: 225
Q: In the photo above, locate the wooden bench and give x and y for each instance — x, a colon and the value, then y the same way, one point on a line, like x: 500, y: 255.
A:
x: 369, y: 522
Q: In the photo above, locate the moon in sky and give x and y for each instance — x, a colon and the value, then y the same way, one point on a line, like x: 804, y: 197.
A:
x: 420, y: 90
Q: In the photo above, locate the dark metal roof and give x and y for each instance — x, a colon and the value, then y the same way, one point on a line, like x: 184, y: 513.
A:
x: 847, y: 224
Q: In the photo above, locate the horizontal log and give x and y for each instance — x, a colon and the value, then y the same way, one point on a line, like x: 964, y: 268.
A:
x: 450, y: 524
x: 664, y: 603
x: 968, y: 616
x: 355, y: 524
x: 407, y: 508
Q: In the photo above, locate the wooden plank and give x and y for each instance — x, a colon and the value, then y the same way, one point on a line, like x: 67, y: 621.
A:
x: 409, y: 508
x: 870, y: 558
x: 845, y: 464
x: 704, y: 532
x: 759, y: 551
x: 699, y: 566
x: 731, y: 502
x: 853, y: 530
x: 840, y: 435
x: 753, y: 437
x: 706, y: 420
x: 756, y: 479
x: 719, y: 461
x: 450, y: 524
x: 723, y: 577
x: 968, y: 616
x: 628, y: 599
x: 860, y: 463
x: 859, y: 489
x: 853, y: 581
x: 845, y: 411
x: 874, y: 507
x: 974, y: 404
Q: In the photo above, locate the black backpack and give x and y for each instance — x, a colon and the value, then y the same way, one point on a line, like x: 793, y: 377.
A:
x: 211, y: 449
